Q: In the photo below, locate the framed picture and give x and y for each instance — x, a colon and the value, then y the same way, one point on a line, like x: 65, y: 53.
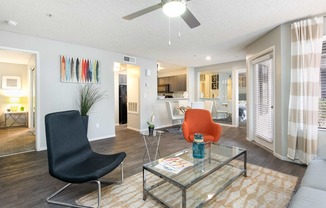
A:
x: 214, y: 86
x: 81, y: 70
x: 11, y: 82
x: 214, y: 78
x: 242, y: 81
x: 244, y: 84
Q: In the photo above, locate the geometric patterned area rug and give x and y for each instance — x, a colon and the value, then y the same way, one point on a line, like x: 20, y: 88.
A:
x: 261, y: 188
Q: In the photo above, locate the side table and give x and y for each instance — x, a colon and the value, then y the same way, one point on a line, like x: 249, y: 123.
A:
x: 15, y: 116
x: 152, y: 143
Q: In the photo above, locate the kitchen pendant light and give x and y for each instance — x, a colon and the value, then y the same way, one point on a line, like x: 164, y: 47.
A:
x: 174, y: 8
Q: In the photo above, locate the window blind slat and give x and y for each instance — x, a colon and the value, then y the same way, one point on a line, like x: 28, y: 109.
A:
x: 263, y: 99
x: 322, y: 100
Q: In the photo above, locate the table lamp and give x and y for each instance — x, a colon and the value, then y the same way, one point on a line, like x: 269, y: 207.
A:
x: 14, y: 101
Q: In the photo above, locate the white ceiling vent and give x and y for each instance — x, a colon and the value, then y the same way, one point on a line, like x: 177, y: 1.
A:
x: 129, y: 59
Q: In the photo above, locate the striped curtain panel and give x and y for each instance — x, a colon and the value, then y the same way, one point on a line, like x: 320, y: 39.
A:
x: 306, y: 47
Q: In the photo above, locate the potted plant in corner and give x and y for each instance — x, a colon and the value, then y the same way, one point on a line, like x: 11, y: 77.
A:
x: 89, y: 94
x: 151, y: 125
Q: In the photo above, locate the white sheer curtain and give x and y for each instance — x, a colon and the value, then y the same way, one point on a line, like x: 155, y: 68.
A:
x: 306, y: 47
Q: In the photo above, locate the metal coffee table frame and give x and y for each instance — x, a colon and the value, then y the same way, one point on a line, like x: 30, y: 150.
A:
x: 146, y: 191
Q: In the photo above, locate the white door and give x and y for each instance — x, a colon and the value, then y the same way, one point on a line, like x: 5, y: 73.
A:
x: 263, y: 101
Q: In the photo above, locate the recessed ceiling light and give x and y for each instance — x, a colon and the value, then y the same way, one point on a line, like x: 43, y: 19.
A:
x: 11, y: 23
x: 208, y: 58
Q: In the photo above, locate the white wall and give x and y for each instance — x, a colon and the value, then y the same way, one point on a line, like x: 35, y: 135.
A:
x: 147, y: 90
x: 52, y: 95
x: 175, y: 72
x: 133, y: 96
x: 191, y: 83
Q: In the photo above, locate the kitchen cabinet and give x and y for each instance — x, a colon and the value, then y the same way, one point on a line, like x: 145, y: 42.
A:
x: 163, y: 80
x: 176, y: 83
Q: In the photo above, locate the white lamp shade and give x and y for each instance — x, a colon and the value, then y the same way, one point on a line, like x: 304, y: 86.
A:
x: 174, y: 8
x: 14, y: 100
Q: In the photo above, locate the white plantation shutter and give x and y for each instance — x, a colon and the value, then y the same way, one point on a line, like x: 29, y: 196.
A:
x: 322, y: 101
x: 263, y: 98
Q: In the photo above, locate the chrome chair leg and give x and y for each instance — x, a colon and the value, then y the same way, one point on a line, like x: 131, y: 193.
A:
x: 116, y: 182
x: 122, y: 176
x: 50, y: 201
x: 98, y: 194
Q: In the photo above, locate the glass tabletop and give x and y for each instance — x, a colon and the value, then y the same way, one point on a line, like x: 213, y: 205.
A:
x: 155, y: 132
x: 216, y: 156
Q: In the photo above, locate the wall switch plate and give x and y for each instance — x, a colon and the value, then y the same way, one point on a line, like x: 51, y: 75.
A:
x: 97, y: 125
x: 148, y: 72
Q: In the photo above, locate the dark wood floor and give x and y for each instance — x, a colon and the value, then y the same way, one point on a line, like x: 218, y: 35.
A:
x: 25, y: 182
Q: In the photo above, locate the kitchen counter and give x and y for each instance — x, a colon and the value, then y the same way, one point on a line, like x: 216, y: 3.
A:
x: 172, y: 99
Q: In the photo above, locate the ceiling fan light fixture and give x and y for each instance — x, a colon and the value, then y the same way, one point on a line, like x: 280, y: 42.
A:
x: 174, y: 8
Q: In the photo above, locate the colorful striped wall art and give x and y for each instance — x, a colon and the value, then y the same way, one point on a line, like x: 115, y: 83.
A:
x: 80, y: 70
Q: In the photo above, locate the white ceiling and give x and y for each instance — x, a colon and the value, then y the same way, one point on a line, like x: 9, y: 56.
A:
x: 227, y: 27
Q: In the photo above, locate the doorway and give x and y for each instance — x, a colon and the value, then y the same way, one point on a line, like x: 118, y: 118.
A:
x: 123, y: 98
x: 263, y: 101
x: 17, y: 102
x: 127, y: 77
x: 228, y: 90
x: 242, y: 99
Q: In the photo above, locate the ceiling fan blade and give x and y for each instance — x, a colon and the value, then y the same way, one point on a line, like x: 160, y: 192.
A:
x: 142, y: 12
x: 190, y: 19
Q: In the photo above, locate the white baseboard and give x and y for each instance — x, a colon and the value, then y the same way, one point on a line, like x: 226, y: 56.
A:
x: 41, y: 149
x: 102, y: 137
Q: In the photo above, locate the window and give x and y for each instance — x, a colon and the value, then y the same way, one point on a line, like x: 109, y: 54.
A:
x: 322, y: 101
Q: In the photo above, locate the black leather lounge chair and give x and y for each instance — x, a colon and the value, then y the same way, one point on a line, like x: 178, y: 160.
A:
x: 70, y: 157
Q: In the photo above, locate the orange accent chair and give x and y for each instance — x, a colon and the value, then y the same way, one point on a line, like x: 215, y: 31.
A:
x: 200, y: 121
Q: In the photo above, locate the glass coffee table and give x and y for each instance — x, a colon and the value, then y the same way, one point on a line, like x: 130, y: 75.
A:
x: 190, y: 182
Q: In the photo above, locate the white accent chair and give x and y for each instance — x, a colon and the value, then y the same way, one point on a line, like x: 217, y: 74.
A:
x: 221, y: 112
x: 197, y: 105
x: 172, y: 113
x: 183, y: 103
x: 208, y: 105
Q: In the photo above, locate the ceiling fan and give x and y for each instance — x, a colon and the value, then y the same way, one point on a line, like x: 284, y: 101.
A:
x: 177, y: 7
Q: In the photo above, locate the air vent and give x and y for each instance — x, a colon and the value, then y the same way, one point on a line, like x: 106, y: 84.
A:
x: 129, y: 59
x: 133, y: 107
